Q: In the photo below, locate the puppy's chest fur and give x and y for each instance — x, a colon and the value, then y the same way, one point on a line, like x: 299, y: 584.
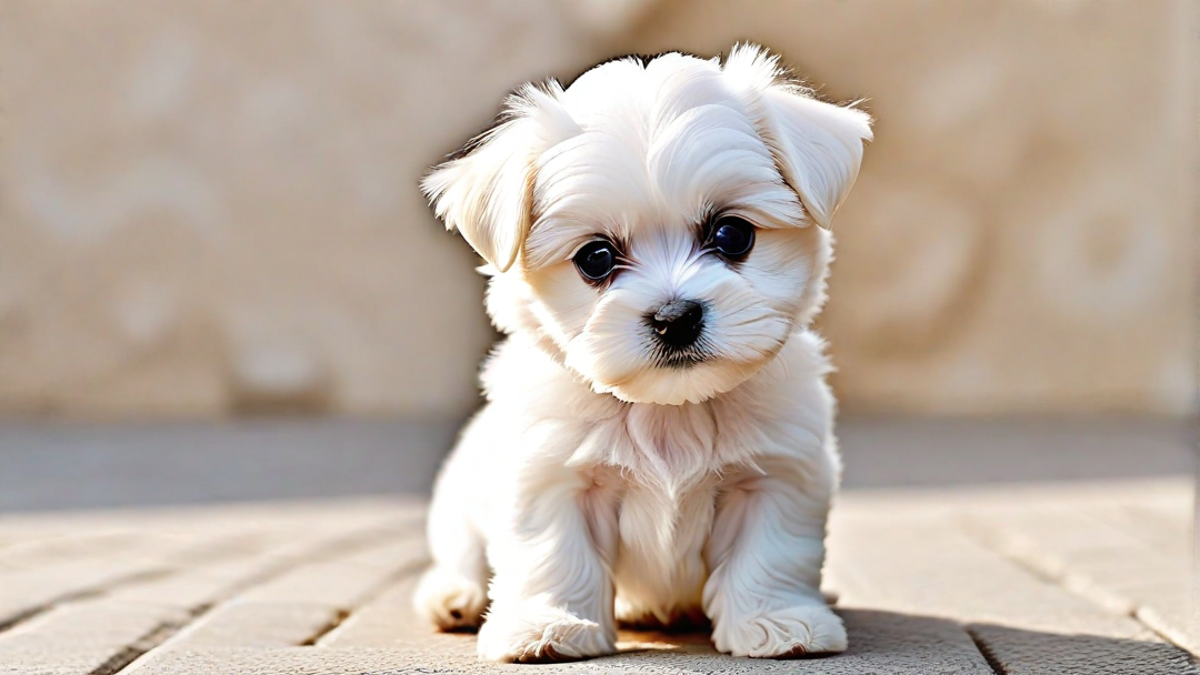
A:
x: 664, y: 470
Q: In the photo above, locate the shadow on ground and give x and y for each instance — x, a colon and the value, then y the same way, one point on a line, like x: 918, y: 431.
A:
x: 881, y: 643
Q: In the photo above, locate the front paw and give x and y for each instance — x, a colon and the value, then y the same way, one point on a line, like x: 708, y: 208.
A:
x: 449, y: 600
x: 541, y: 635
x: 782, y: 633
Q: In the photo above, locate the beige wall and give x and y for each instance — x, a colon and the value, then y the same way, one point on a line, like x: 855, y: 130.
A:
x: 210, y: 207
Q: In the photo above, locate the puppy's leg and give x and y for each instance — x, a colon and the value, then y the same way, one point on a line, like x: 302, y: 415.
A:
x: 452, y: 593
x: 765, y: 553
x: 552, y: 594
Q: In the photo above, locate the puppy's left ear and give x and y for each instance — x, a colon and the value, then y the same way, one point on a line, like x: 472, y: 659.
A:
x: 486, y: 193
x: 817, y: 146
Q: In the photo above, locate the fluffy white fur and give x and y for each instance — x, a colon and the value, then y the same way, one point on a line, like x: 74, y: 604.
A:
x: 597, y: 485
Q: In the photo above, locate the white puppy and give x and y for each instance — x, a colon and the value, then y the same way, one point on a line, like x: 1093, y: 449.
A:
x: 657, y: 444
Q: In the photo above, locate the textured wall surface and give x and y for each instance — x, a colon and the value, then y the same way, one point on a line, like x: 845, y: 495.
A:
x: 213, y: 206
x: 210, y: 207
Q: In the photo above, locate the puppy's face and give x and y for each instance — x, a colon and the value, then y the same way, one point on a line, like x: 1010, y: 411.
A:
x: 657, y: 225
x: 675, y: 284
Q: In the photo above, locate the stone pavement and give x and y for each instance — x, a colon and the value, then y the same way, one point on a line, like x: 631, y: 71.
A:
x: 1090, y: 577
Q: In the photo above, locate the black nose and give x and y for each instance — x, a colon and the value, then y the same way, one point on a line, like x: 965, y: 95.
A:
x: 678, y: 324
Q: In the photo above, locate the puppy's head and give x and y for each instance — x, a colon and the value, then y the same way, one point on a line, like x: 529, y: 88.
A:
x: 658, y: 226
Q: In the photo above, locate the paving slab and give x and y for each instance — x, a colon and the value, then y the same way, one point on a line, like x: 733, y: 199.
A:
x: 1083, y: 550
x: 78, y: 640
x: 1022, y: 622
x: 109, y: 627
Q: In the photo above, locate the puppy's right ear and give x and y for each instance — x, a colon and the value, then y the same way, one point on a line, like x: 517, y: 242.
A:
x: 817, y: 146
x: 486, y: 192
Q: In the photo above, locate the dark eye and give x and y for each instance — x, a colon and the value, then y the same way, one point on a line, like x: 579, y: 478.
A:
x: 596, y: 260
x: 733, y: 237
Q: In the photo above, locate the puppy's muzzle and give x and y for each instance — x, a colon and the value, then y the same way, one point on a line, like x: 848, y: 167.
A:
x: 677, y: 325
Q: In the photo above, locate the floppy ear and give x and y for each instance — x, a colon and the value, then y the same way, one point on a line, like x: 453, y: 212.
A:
x: 486, y: 192
x: 817, y: 146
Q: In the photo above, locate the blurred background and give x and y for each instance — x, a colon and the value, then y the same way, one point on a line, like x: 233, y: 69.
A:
x: 218, y: 279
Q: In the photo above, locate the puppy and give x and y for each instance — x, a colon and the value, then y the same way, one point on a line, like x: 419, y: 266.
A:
x: 657, y: 441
